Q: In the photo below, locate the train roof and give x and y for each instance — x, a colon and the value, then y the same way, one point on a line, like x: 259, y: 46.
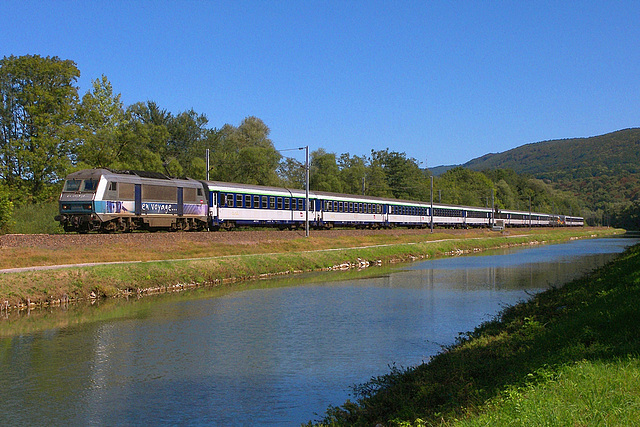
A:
x: 129, y: 175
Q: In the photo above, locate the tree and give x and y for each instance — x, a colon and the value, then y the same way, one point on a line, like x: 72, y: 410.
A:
x: 353, y: 173
x: 324, y: 174
x: 403, y: 175
x: 102, y: 115
x: 462, y: 186
x: 244, y: 154
x: 38, y: 135
x: 292, y: 173
x: 187, y: 142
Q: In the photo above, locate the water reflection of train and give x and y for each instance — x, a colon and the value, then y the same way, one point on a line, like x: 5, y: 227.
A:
x: 111, y: 201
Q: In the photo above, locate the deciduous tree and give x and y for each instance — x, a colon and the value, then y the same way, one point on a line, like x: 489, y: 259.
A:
x: 38, y: 129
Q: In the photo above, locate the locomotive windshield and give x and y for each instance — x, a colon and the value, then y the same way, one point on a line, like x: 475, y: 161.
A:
x: 82, y: 185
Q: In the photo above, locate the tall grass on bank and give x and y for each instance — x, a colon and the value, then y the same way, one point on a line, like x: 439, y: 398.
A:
x: 579, y: 394
x: 35, y: 219
x: 553, y: 348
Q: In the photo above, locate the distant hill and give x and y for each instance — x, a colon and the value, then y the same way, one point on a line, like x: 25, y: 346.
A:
x: 602, y: 171
x: 439, y: 170
x: 577, y: 157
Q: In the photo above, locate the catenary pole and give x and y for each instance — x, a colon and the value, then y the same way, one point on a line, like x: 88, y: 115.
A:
x: 207, y: 156
x: 431, y: 209
x: 306, y: 221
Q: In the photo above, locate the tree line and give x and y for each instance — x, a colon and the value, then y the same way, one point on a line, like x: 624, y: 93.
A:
x: 47, y: 130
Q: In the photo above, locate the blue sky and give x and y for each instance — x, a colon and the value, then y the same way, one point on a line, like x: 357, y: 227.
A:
x: 442, y: 81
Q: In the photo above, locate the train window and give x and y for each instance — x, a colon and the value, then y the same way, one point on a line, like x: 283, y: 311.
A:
x: 247, y: 201
x: 287, y: 202
x: 279, y: 202
x: 350, y: 206
x: 72, y: 185
x: 256, y: 202
x: 90, y: 185
x: 239, y: 200
x: 265, y: 202
x: 230, y: 200
x: 272, y: 202
x: 340, y: 206
x: 301, y: 204
x: 113, y: 186
x: 199, y: 192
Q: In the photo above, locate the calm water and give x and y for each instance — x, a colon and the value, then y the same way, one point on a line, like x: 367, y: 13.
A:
x: 277, y: 355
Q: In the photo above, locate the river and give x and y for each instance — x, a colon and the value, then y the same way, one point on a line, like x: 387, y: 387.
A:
x: 275, y: 353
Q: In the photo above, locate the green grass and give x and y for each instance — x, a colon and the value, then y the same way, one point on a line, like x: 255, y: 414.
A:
x: 535, y: 350
x: 584, y: 393
x: 35, y: 219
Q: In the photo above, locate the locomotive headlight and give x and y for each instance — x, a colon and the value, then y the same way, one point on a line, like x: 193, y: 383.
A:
x: 65, y: 207
x: 87, y: 206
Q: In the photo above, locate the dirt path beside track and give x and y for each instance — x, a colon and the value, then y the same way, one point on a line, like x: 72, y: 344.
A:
x: 62, y: 241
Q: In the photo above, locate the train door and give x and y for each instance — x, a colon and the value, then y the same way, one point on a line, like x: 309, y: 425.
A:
x: 180, y: 201
x: 138, y: 199
x: 213, y: 206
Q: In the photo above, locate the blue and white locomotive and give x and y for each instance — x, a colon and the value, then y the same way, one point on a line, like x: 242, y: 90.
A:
x: 111, y: 201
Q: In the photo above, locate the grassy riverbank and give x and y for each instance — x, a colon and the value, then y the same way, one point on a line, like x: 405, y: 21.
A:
x: 570, y: 356
x: 161, y: 269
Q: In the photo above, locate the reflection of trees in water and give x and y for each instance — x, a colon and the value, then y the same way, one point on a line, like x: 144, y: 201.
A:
x: 522, y: 276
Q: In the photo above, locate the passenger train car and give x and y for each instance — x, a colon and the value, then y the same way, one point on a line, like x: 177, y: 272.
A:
x: 111, y: 201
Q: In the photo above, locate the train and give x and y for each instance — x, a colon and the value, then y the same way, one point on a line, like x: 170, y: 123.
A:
x: 104, y: 200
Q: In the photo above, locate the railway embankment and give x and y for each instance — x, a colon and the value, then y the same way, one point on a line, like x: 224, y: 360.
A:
x: 569, y: 356
x: 44, y: 271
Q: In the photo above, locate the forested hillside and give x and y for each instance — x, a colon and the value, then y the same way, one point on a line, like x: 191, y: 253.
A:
x: 603, y: 172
